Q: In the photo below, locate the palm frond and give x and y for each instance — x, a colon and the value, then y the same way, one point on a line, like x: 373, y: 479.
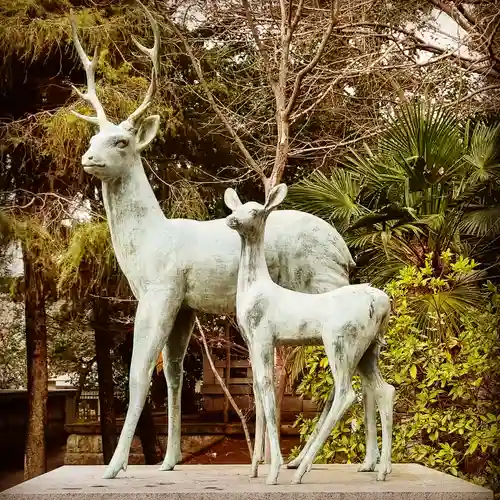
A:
x: 296, y: 363
x: 439, y: 313
x: 429, y: 133
x: 482, y: 221
x: 483, y: 156
x: 333, y: 198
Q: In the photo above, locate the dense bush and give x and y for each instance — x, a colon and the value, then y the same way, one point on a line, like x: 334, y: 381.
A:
x: 446, y: 386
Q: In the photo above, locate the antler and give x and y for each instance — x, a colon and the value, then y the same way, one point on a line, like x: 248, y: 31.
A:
x: 90, y: 67
x: 153, y: 54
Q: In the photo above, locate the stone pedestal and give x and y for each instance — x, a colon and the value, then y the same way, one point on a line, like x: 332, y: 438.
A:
x: 231, y: 482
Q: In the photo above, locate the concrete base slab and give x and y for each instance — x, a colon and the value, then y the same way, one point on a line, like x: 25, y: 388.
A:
x: 232, y: 482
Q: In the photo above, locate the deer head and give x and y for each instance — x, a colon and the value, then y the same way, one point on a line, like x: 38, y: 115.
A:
x: 115, y: 149
x: 249, y: 219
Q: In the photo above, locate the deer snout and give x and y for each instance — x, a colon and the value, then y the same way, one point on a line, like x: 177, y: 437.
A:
x: 89, y: 160
x: 232, y: 222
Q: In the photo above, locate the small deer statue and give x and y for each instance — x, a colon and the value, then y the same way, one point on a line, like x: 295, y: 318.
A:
x: 176, y: 267
x: 349, y: 322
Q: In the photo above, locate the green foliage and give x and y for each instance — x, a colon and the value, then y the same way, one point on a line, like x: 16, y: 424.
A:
x: 438, y: 302
x: 70, y: 344
x: 446, y: 391
x: 12, y: 344
x: 88, y: 260
x: 31, y: 29
x: 431, y: 183
x: 39, y: 242
x: 186, y: 201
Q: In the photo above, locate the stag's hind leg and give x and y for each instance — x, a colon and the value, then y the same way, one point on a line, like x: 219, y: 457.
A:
x: 366, y: 368
x: 384, y: 395
x: 376, y: 389
x: 154, y: 320
x: 173, y: 360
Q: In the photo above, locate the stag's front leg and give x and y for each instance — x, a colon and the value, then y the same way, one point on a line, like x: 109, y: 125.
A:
x: 154, y: 319
x: 173, y: 360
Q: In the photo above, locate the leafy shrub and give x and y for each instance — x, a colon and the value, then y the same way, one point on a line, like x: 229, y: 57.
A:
x: 444, y: 415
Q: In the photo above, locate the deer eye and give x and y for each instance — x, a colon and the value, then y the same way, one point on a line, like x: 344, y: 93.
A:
x: 122, y: 143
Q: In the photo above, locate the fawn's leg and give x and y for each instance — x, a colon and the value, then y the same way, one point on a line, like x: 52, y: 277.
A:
x: 173, y: 360
x: 263, y: 359
x: 342, y: 370
x: 154, y: 320
x: 259, y: 431
x: 293, y: 464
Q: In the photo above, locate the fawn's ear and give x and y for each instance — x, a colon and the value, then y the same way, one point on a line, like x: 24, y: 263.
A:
x: 275, y: 197
x: 147, y: 131
x: 231, y: 199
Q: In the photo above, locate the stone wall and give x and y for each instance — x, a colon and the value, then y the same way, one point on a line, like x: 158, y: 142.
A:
x: 86, y: 449
x: 84, y: 445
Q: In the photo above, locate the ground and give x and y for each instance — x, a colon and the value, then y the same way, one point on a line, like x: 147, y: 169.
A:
x: 231, y: 450
x: 235, y: 451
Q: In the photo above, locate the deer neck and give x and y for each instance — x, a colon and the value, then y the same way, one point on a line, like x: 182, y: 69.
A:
x: 253, y: 266
x: 132, y: 211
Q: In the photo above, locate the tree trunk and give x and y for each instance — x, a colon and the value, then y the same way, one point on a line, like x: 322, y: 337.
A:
x: 36, y: 354
x: 145, y: 427
x: 103, y: 350
x: 82, y: 380
x: 282, y: 147
x: 158, y: 391
x: 281, y: 376
x: 147, y: 434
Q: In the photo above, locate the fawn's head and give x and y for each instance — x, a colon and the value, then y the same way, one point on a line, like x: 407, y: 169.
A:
x: 114, y: 150
x: 249, y: 219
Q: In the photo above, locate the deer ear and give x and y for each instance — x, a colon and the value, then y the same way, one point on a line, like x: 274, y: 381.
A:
x: 147, y: 131
x: 231, y: 199
x: 275, y: 197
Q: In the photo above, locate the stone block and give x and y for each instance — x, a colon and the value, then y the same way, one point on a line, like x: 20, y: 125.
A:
x: 87, y: 449
x: 232, y: 482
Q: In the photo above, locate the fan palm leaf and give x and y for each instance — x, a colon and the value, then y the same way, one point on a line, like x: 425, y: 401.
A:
x: 483, y: 154
x: 481, y: 221
x: 430, y: 184
x: 334, y: 198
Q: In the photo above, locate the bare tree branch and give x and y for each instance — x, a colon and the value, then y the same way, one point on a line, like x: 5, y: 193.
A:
x: 225, y: 389
x: 196, y: 63
x: 296, y: 17
x: 253, y: 28
x: 453, y: 12
x: 299, y: 152
x: 472, y: 94
x: 312, y: 63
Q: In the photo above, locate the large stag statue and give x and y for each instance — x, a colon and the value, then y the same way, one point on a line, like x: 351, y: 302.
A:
x: 176, y: 267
